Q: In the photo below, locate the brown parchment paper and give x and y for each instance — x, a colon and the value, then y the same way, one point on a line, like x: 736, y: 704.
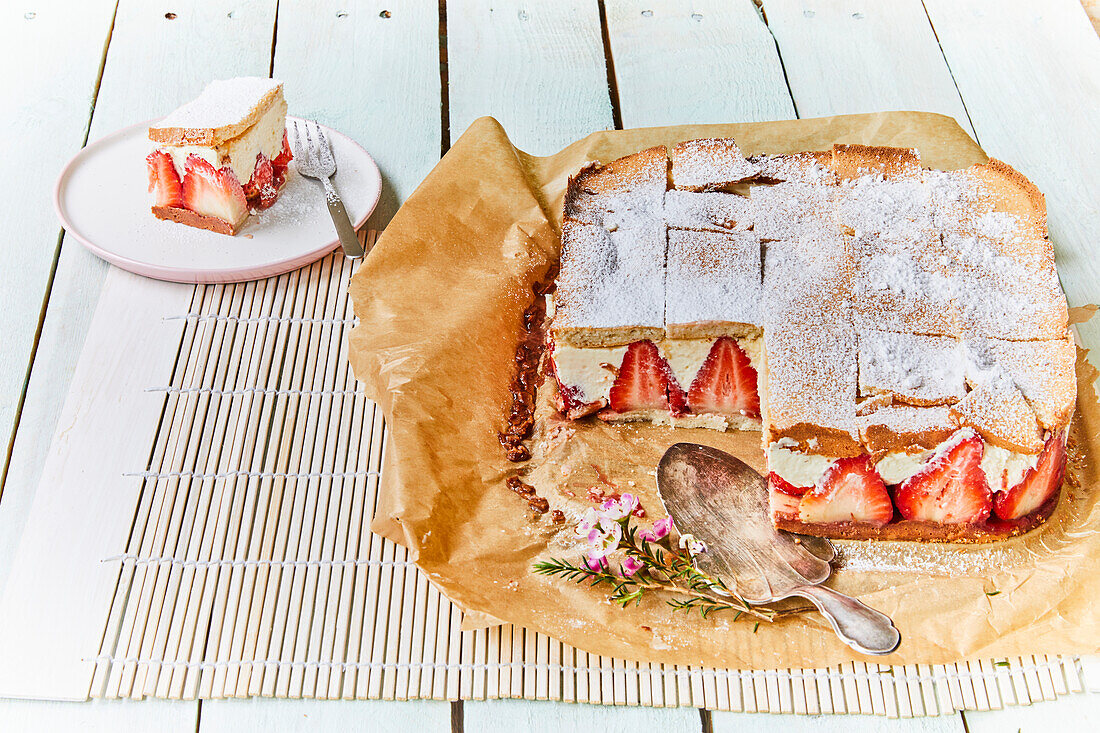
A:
x: 440, y: 301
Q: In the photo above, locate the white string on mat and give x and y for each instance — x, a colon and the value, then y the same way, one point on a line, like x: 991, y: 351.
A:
x: 249, y: 474
x: 263, y: 319
x: 829, y: 674
x: 251, y: 562
x: 258, y: 390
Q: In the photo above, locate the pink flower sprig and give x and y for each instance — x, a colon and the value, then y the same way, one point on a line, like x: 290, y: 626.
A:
x: 636, y: 560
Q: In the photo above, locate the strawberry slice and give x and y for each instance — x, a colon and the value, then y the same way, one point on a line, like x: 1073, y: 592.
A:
x: 163, y: 178
x: 284, y: 155
x: 212, y: 192
x: 951, y: 488
x: 850, y: 491
x: 261, y: 190
x: 779, y: 483
x: 645, y: 382
x: 726, y: 383
x: 1038, y: 484
x: 784, y: 497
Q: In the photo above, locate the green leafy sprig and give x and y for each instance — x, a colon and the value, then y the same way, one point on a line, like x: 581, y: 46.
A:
x: 660, y: 568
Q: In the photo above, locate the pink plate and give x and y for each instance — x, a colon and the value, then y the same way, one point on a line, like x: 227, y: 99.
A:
x: 102, y: 201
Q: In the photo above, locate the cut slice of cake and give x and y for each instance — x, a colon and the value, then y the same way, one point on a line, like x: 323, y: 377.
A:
x: 220, y: 156
x: 619, y: 345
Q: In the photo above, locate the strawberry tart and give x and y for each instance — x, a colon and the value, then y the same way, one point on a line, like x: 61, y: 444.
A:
x: 897, y: 334
x: 222, y: 156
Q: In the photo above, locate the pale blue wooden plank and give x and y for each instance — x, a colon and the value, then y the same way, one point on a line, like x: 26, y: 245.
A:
x: 323, y: 716
x: 98, y: 716
x: 891, y: 60
x: 536, y: 67
x: 369, y: 69
x: 493, y: 716
x: 682, y: 62
x: 768, y: 723
x: 51, y: 56
x: 1080, y: 711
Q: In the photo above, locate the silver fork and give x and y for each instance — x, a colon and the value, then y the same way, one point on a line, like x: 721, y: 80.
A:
x: 313, y: 158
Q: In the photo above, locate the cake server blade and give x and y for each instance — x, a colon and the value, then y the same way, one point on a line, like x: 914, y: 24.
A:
x: 720, y: 500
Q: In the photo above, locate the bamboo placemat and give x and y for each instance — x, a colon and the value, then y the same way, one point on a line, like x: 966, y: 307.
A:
x: 250, y: 570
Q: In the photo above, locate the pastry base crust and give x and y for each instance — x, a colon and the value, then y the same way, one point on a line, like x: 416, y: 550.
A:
x: 992, y: 531
x: 191, y: 219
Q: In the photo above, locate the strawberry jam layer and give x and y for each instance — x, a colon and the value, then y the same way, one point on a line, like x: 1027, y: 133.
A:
x: 947, y: 498
x: 646, y: 380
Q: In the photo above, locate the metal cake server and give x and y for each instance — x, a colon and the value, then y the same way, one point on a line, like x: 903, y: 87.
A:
x: 723, y: 502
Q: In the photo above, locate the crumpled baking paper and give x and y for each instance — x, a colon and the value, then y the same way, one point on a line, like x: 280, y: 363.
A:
x: 440, y: 301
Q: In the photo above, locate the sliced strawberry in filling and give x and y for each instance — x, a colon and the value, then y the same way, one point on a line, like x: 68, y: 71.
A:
x: 645, y: 382
x: 262, y: 189
x: 164, y: 179
x: 784, y: 497
x: 950, y: 489
x: 726, y: 383
x: 1038, y: 484
x: 211, y: 192
x: 284, y: 155
x: 777, y: 482
x: 850, y: 491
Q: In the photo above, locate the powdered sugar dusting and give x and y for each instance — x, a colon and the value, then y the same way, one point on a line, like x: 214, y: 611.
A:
x: 222, y: 102
x: 918, y: 369
x: 611, y: 278
x: 701, y: 165
x: 918, y: 263
x: 715, y: 212
x: 811, y: 378
x: 712, y: 277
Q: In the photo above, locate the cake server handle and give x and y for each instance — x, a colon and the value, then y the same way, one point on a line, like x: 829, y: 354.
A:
x: 348, y: 239
x: 859, y: 626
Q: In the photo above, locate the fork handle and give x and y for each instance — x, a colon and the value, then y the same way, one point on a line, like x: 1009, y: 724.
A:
x: 348, y: 239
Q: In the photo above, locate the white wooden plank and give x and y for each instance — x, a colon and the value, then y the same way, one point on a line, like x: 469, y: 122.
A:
x: 890, y: 58
x: 538, y: 68
x: 694, y: 61
x: 289, y: 716
x: 371, y: 70
x: 1079, y: 711
x: 47, y: 96
x: 766, y: 723
x: 98, y: 716
x: 491, y: 716
x: 106, y: 427
x: 58, y: 593
x: 1029, y: 74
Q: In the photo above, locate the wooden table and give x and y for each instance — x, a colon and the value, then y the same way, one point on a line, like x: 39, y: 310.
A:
x: 405, y: 78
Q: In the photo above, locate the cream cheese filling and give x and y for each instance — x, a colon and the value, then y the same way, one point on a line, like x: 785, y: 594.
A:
x: 1003, y: 468
x: 266, y: 136
x: 592, y: 370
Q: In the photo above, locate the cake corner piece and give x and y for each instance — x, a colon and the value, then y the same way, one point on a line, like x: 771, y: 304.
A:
x: 222, y: 156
